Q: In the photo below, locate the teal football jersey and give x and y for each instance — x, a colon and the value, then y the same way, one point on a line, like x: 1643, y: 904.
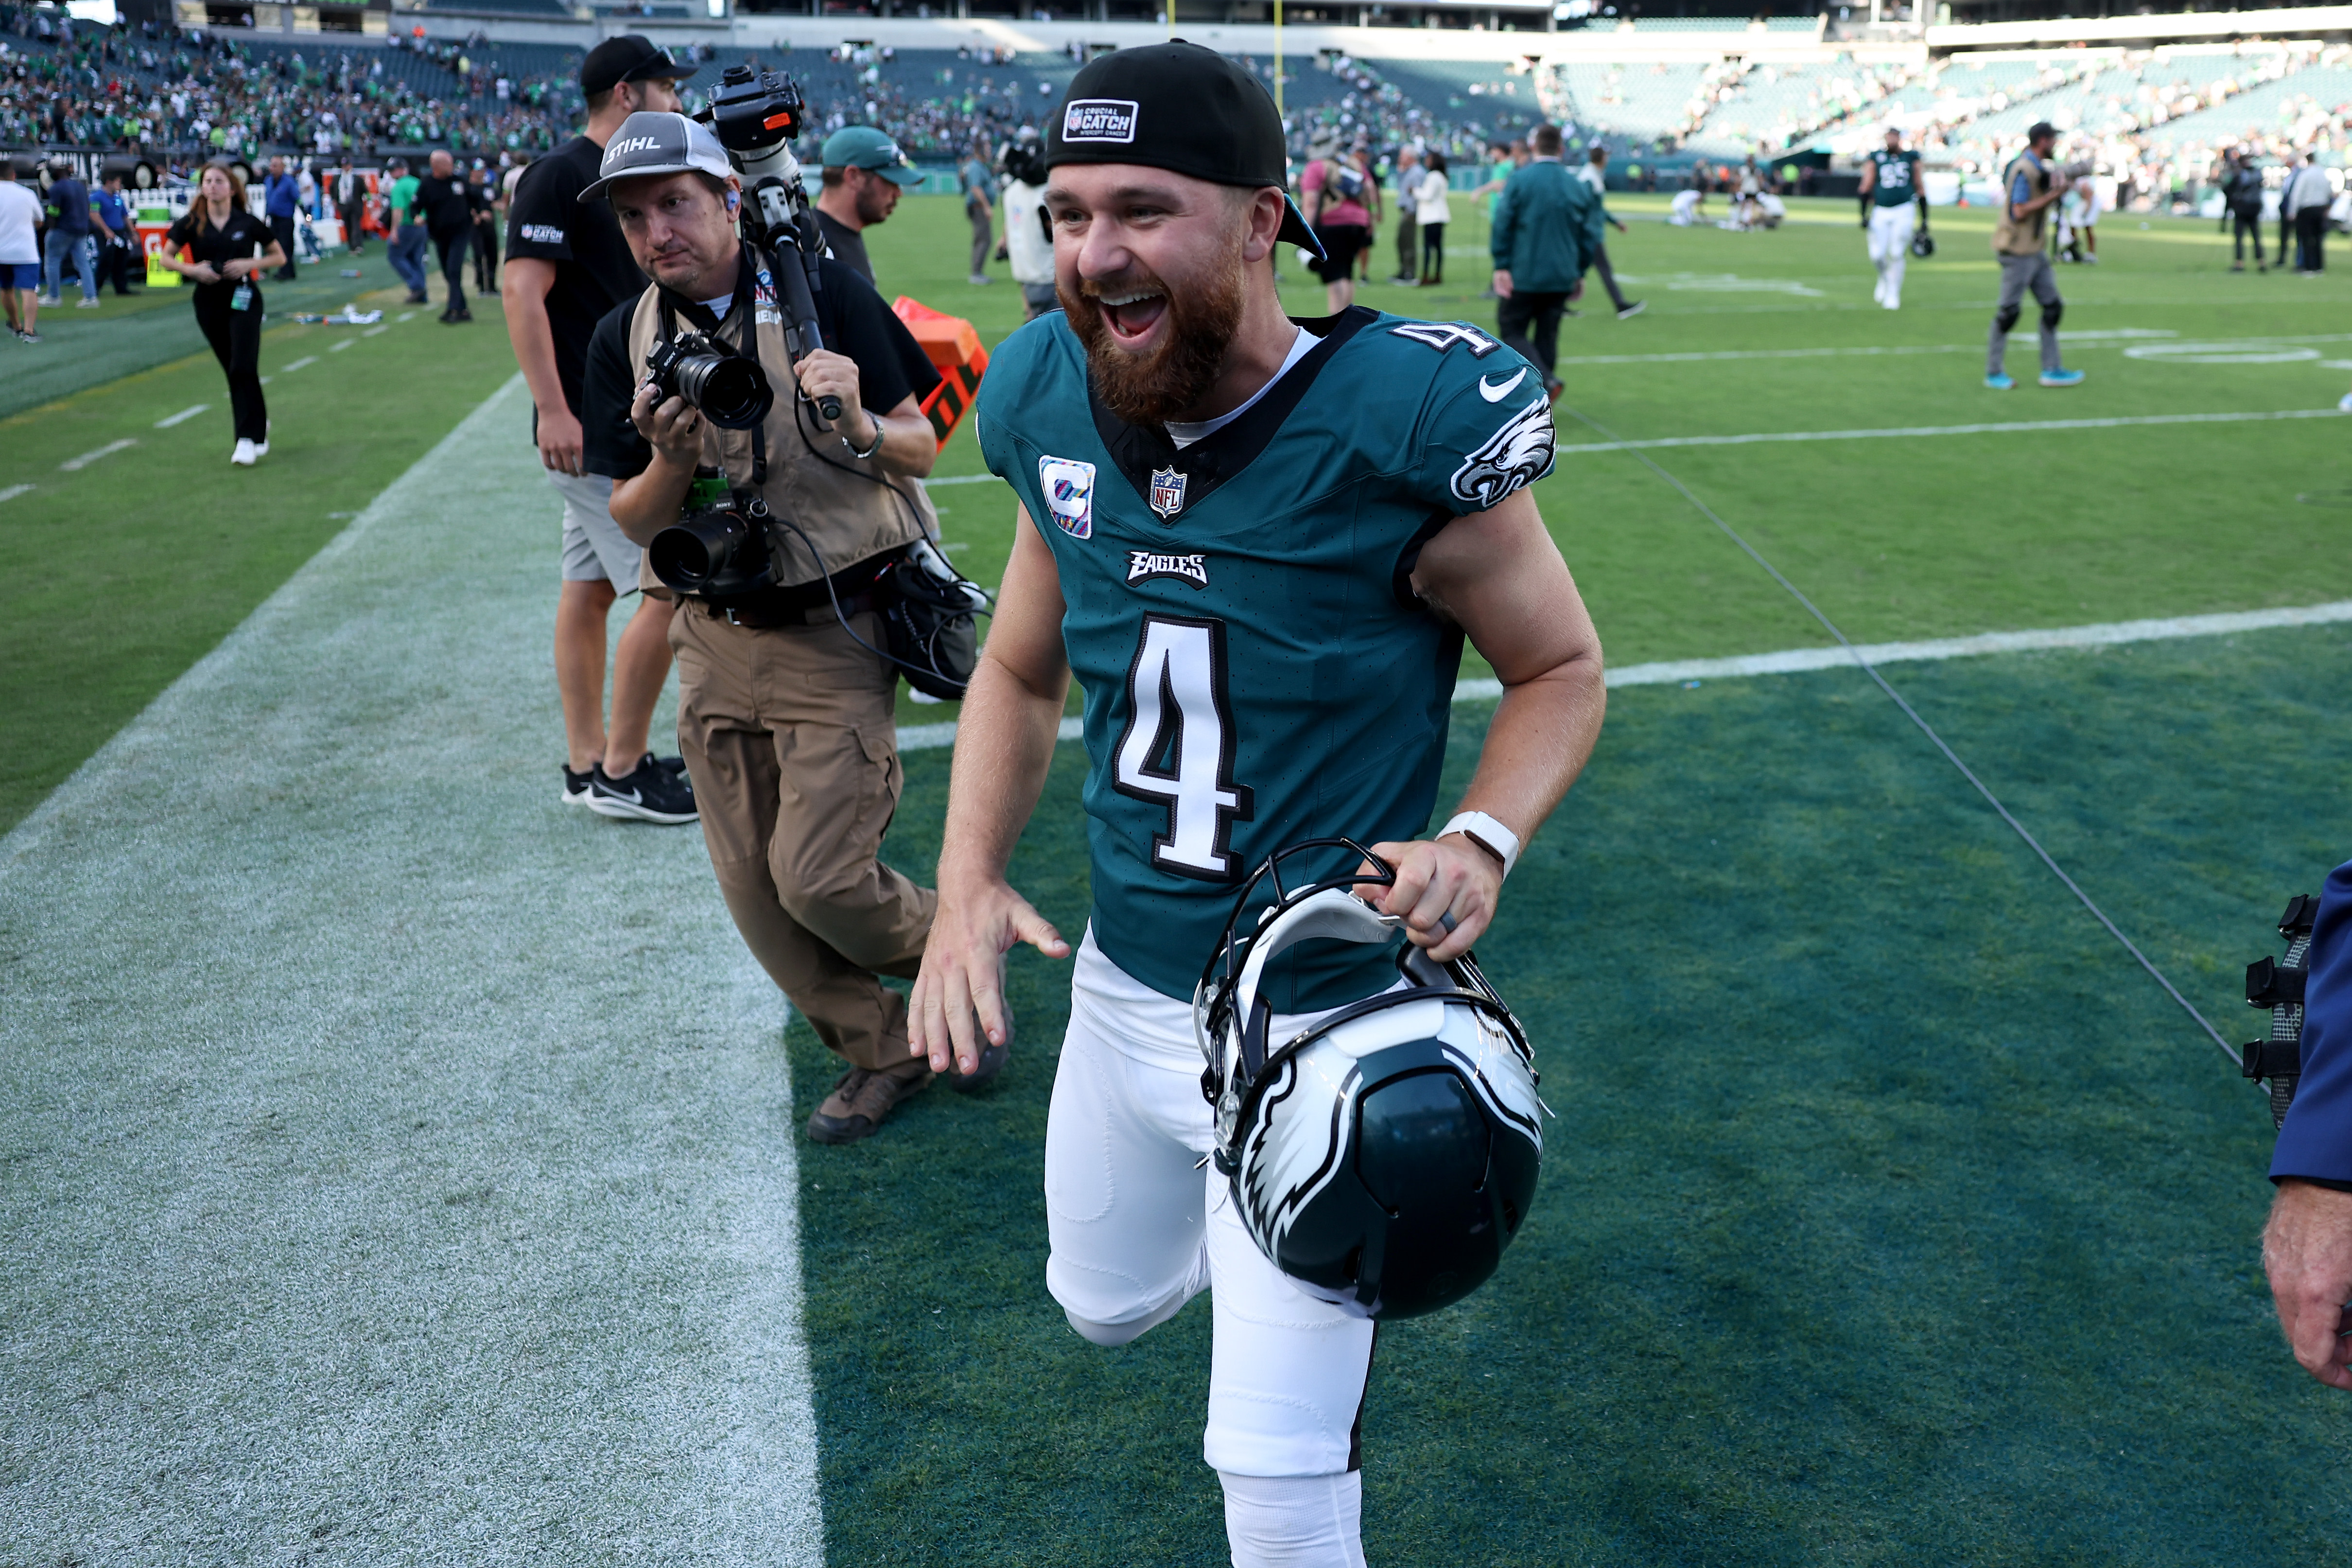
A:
x: 1256, y: 668
x: 1897, y: 183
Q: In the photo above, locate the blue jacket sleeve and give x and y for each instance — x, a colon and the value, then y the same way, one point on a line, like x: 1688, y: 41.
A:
x: 2317, y: 1141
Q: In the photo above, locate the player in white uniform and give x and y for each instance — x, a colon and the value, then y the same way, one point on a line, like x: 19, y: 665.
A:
x: 1687, y: 207
x: 1890, y: 183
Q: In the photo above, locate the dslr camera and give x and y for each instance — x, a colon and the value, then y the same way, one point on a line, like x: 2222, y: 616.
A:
x: 730, y: 389
x: 718, y: 551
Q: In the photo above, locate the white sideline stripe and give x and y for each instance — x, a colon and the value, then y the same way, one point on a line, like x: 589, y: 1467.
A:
x: 182, y: 418
x: 375, y: 332
x: 704, y: 1454
x: 962, y: 480
x: 12, y: 491
x: 299, y: 363
x: 75, y: 465
x: 338, y: 348
x: 2026, y: 426
x: 1796, y: 660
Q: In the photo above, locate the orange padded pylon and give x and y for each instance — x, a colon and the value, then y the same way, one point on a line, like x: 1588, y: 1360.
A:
x: 956, y: 352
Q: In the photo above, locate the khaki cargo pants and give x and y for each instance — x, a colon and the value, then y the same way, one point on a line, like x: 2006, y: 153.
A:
x: 789, y: 735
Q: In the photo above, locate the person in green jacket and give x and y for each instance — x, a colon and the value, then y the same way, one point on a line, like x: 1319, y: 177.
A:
x: 1548, y: 227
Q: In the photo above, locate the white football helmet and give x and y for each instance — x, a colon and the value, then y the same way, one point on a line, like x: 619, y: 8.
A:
x: 1384, y: 1156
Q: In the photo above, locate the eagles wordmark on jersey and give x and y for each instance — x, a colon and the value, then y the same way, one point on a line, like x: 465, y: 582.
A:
x: 1258, y: 668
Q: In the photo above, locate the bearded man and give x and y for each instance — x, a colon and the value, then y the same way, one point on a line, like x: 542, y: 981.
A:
x: 1259, y: 544
x: 864, y: 173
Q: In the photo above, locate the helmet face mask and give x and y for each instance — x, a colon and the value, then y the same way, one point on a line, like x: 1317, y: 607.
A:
x: 1383, y: 1156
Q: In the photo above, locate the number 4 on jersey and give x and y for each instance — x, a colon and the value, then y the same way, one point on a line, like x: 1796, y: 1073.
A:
x: 1179, y: 745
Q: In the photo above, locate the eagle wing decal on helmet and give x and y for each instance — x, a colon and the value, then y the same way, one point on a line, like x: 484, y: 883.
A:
x: 1511, y: 458
x: 1289, y: 1172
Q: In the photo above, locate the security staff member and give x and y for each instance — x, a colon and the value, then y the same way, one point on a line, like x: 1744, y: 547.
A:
x: 784, y: 710
x: 2307, y: 1247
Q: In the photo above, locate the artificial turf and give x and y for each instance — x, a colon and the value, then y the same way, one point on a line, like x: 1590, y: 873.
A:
x: 1891, y: 1214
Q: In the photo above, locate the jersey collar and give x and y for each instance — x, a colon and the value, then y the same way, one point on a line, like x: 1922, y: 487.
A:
x: 1139, y: 449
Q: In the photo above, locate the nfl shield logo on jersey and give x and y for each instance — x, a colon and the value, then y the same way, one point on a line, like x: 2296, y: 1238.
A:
x: 1167, y: 492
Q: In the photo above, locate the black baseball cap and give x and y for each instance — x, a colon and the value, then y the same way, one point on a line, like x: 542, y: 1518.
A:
x: 1179, y: 107
x: 632, y: 56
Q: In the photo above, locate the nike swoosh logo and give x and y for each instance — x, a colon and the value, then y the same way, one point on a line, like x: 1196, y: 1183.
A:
x: 628, y: 795
x: 1494, y: 394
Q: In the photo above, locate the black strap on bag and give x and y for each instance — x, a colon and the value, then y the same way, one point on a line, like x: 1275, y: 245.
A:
x: 2277, y: 985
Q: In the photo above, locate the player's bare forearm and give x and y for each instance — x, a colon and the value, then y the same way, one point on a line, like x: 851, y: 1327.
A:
x: 2307, y: 1253
x: 1498, y: 576
x: 1004, y: 747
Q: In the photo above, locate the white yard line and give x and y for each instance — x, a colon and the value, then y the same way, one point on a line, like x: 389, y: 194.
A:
x: 338, y: 348
x: 376, y: 331
x: 1796, y: 660
x: 182, y: 418
x: 327, y: 1083
x: 304, y: 361
x: 12, y: 491
x: 2097, y: 339
x: 961, y: 480
x: 2027, y: 426
x: 75, y: 465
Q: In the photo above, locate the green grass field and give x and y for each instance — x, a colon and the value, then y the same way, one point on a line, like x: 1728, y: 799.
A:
x: 403, y: 1169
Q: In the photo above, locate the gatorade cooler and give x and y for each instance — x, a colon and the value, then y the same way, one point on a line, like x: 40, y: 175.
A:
x: 151, y: 222
x: 956, y: 354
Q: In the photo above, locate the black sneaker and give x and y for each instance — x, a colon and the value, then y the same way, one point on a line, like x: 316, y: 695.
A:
x: 647, y: 794
x: 1630, y: 309
x: 674, y: 766
x: 577, y: 786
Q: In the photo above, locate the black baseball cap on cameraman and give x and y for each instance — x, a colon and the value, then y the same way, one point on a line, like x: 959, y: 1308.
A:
x: 1179, y: 107
x: 632, y: 56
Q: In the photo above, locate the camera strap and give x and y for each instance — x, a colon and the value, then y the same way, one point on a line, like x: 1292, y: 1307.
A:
x: 748, y: 263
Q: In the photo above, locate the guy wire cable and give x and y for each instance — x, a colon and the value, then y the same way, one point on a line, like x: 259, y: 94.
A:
x: 1925, y: 727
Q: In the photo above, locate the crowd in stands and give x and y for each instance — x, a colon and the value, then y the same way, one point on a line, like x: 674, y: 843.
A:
x: 2156, y: 120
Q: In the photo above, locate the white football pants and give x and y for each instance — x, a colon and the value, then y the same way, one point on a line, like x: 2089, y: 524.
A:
x: 1890, y: 250
x: 1139, y: 1225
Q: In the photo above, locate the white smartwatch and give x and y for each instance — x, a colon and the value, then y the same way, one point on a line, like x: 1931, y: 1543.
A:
x: 1488, y: 835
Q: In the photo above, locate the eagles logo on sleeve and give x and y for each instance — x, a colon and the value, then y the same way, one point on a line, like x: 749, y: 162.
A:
x: 1511, y: 458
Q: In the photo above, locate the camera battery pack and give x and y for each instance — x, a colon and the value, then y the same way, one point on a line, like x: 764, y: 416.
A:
x: 956, y: 354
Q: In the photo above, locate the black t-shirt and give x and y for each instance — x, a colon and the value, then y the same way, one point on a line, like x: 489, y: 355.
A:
x: 243, y: 237
x: 891, y: 367
x: 444, y: 205
x: 546, y: 221
x: 847, y: 245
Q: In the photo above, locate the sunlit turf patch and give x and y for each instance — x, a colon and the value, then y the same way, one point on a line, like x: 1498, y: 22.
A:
x: 1890, y: 1215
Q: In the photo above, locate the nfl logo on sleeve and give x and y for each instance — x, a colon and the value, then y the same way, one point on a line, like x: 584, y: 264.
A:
x: 1069, y: 490
x: 1167, y: 492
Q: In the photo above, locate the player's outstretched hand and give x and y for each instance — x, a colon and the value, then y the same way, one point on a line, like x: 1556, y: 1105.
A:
x: 960, y: 994
x: 1448, y: 877
x: 2307, y: 1252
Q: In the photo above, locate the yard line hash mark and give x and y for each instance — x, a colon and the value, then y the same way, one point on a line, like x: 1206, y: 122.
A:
x: 299, y: 363
x: 182, y: 418
x: 12, y: 491
x: 75, y: 465
x: 338, y: 348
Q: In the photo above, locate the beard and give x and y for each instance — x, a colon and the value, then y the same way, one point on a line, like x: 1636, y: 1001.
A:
x: 1154, y: 387
x: 875, y: 203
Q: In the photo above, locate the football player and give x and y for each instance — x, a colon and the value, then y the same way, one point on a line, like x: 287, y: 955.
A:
x: 1259, y: 544
x: 1890, y: 183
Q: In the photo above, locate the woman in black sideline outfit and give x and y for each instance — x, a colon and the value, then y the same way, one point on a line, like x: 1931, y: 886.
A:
x: 221, y: 246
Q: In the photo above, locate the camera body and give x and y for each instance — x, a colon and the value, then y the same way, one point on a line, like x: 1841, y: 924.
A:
x: 730, y: 390
x: 717, y: 551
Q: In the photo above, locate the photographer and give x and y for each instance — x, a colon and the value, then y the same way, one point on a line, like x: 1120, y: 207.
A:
x: 2034, y: 185
x: 785, y: 707
x: 2307, y: 1246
